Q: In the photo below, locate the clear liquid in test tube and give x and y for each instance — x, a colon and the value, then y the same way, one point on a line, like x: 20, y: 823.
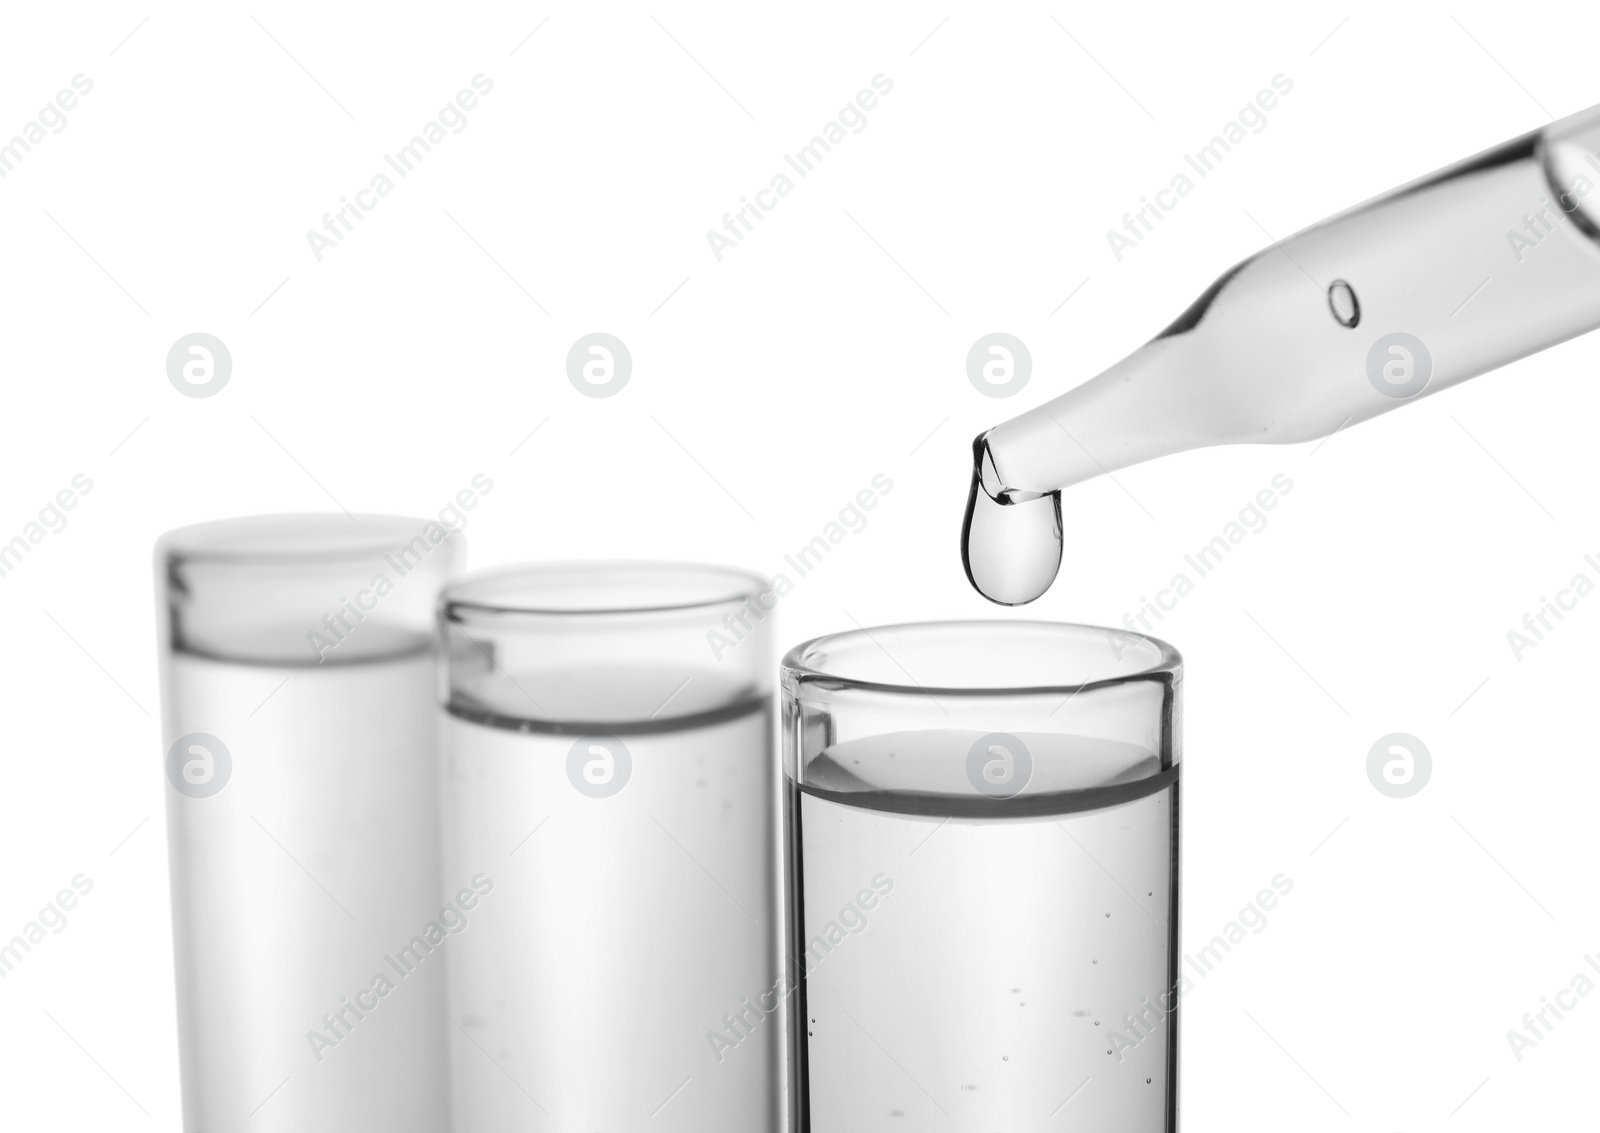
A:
x: 611, y: 802
x: 983, y: 878
x: 297, y: 672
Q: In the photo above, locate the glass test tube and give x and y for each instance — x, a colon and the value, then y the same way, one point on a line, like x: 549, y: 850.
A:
x: 297, y: 682
x: 610, y: 814
x: 982, y: 860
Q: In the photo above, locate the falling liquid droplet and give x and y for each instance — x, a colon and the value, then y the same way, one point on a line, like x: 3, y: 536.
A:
x: 1010, y: 545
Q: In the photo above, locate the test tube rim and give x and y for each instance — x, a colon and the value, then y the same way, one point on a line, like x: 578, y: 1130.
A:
x: 744, y: 586
x: 239, y: 540
x: 1167, y: 668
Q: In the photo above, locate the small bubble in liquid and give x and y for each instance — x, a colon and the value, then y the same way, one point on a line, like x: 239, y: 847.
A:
x: 1147, y: 1081
x: 1005, y: 1058
x: 1344, y: 305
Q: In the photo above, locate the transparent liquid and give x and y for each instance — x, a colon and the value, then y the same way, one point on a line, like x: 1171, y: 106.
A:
x: 316, y: 859
x: 981, y: 990
x: 621, y: 929
x: 1011, y: 548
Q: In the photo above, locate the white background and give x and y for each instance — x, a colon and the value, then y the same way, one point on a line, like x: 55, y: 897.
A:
x: 769, y: 388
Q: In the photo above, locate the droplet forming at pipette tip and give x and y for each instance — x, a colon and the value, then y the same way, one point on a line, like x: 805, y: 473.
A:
x: 1010, y: 540
x: 1260, y: 358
